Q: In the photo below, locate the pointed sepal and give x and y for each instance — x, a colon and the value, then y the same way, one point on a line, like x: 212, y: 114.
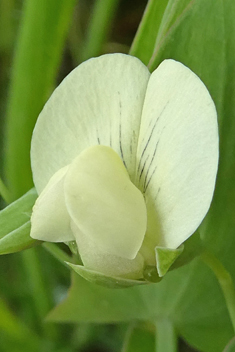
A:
x: 165, y: 257
x: 104, y: 280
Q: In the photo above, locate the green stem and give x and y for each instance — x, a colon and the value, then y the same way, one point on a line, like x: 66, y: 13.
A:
x: 168, y: 27
x: 128, y: 336
x: 57, y: 253
x: 37, y: 57
x: 225, y: 281
x: 7, y: 29
x: 41, y: 294
x: 99, y: 26
x: 32, y: 266
x: 166, y: 338
x: 75, y: 38
x: 4, y: 193
x: 145, y: 38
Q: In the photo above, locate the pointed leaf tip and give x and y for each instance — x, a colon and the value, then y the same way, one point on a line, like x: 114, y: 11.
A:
x: 17, y: 240
x: 17, y: 213
x: 15, y: 224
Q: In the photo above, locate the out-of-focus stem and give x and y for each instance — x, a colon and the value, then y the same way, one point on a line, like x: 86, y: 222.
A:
x: 41, y: 294
x: 225, y: 281
x: 57, y: 253
x: 166, y: 338
x: 99, y: 26
x: 4, y: 193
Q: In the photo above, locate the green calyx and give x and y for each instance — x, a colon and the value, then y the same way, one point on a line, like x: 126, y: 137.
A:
x: 104, y: 280
x: 165, y: 257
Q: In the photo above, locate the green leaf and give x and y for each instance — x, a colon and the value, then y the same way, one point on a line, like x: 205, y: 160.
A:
x: 104, y: 280
x: 160, y: 18
x: 88, y: 302
x: 37, y: 57
x: 145, y: 38
x: 17, y: 240
x: 17, y: 213
x: 165, y: 257
x: 192, y: 248
x: 231, y: 346
x: 175, y: 297
x: 15, y: 224
x: 138, y: 340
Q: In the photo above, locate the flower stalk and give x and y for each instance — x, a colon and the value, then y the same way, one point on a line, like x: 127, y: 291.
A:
x: 57, y: 253
x: 5, y: 194
x: 166, y: 338
x: 225, y: 280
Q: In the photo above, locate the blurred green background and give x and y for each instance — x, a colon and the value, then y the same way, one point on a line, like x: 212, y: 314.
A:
x: 40, y: 43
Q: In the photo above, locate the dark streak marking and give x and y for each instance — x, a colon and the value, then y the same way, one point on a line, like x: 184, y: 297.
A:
x: 120, y: 131
x: 98, y: 138
x: 120, y: 138
x: 134, y: 136
x: 159, y: 189
x: 120, y: 144
x: 146, y: 176
x: 143, y: 167
x: 110, y: 138
x: 142, y: 154
x: 150, y: 179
